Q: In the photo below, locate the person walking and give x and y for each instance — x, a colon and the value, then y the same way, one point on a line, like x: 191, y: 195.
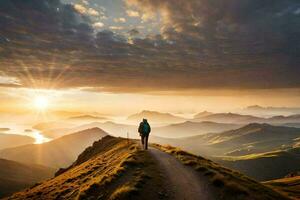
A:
x: 144, y: 130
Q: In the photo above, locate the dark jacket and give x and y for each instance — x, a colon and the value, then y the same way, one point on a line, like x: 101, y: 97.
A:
x: 143, y: 125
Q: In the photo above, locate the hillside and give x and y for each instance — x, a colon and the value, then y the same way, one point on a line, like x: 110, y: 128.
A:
x: 15, y: 176
x: 189, y: 128
x: 115, y: 129
x: 261, y: 151
x: 60, y: 152
x: 285, y: 119
x: 295, y: 125
x: 155, y: 117
x: 250, y: 139
x: 288, y: 186
x: 265, y: 166
x: 254, y: 138
x: 111, y: 128
x: 230, y: 118
x: 115, y: 168
x: 12, y: 140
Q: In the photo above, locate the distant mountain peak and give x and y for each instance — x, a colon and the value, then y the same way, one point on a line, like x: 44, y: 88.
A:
x: 257, y: 125
x: 153, y: 112
x: 202, y: 114
x: 254, y: 107
x: 155, y: 116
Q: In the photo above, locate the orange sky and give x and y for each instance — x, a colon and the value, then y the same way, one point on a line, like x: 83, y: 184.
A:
x: 16, y: 99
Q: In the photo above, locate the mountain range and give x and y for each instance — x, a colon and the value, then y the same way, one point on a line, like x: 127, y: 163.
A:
x: 272, y: 110
x: 115, y: 168
x: 13, y: 140
x: 245, y: 119
x: 228, y: 118
x: 190, y: 128
x: 155, y: 117
x: 109, y: 127
x: 252, y: 149
x: 57, y: 153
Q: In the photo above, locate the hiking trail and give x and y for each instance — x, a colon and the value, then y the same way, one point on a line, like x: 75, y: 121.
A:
x: 184, y: 183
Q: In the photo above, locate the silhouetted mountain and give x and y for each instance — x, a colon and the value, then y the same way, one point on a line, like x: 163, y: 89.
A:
x: 230, y: 118
x: 12, y: 140
x: 155, y: 117
x: 15, y: 176
x: 189, y: 128
x: 56, y: 153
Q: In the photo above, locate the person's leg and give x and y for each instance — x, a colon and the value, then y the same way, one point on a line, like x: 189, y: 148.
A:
x: 146, y: 142
x: 142, y: 140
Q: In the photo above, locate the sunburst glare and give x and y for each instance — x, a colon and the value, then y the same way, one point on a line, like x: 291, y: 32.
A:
x: 41, y: 102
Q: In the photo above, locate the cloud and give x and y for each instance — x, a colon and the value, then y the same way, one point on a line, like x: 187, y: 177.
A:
x: 132, y: 13
x: 80, y: 8
x: 120, y: 20
x: 202, y: 44
x: 116, y: 27
x: 98, y: 25
x: 87, y: 11
x: 92, y: 12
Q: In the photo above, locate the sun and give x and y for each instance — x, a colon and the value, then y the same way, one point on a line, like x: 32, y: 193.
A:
x: 41, y: 102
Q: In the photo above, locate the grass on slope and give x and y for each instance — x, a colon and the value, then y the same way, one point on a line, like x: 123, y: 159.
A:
x: 288, y: 186
x: 16, y: 176
x: 113, y: 168
x: 265, y: 166
x: 230, y: 184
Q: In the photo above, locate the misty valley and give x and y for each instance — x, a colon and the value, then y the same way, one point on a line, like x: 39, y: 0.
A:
x: 266, y: 149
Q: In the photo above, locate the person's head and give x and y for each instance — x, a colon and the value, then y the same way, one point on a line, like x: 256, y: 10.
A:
x: 144, y: 120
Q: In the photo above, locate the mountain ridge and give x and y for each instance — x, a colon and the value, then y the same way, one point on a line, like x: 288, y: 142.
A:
x: 56, y: 153
x: 155, y: 117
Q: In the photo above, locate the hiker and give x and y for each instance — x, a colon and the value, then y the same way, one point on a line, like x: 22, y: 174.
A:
x: 144, y: 130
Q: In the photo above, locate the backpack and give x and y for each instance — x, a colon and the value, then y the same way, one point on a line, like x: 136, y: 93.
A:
x: 146, y: 128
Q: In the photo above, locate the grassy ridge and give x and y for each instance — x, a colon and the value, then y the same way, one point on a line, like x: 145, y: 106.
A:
x: 113, y: 168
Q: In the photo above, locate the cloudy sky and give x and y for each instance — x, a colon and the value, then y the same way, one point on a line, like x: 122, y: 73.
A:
x: 174, y: 55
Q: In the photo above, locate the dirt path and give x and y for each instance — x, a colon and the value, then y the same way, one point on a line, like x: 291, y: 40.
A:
x: 183, y: 183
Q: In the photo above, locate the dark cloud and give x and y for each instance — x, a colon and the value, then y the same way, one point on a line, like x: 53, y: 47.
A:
x: 203, y: 44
